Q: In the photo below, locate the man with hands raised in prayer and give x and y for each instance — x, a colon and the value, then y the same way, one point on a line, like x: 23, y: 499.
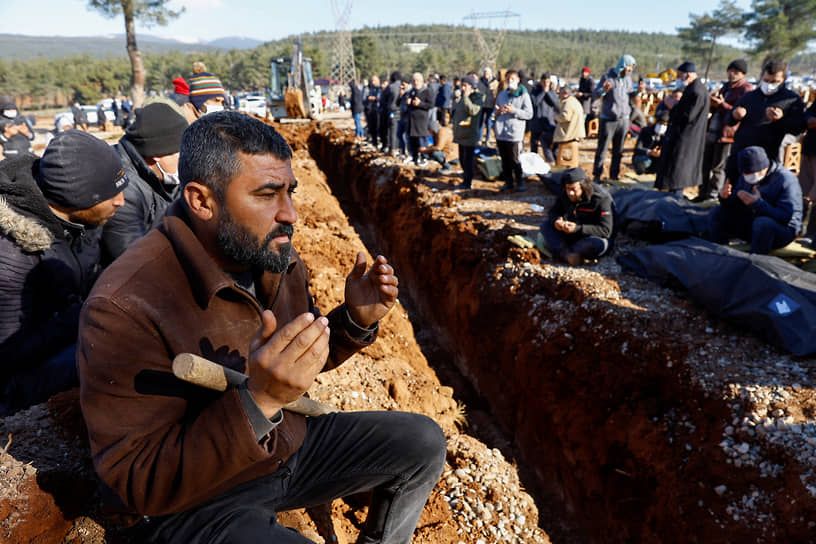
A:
x: 220, y: 279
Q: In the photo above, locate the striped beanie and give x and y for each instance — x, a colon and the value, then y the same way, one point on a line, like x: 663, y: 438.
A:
x: 204, y: 86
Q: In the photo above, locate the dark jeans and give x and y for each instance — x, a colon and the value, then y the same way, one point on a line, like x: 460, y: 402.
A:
x: 486, y: 124
x: 714, y: 158
x: 614, y: 131
x: 31, y: 386
x: 763, y: 233
x: 467, y: 160
x: 402, y: 128
x: 545, y: 140
x: 393, y: 132
x: 373, y: 125
x: 588, y: 247
x: 397, y: 455
x: 511, y: 166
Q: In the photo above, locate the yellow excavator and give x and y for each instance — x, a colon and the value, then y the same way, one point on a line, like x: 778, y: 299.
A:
x: 292, y: 92
x: 666, y: 76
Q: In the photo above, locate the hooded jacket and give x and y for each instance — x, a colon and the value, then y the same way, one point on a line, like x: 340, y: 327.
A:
x: 780, y: 198
x: 47, y: 267
x: 146, y: 199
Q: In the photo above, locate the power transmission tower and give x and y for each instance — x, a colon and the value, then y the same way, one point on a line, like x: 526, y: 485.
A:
x: 490, y: 46
x: 343, y: 54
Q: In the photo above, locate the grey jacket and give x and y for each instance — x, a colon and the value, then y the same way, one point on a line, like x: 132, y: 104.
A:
x: 510, y: 126
x: 615, y: 103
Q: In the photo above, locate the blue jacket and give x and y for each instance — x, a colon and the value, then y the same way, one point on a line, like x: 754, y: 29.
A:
x: 781, y: 197
x: 444, y: 98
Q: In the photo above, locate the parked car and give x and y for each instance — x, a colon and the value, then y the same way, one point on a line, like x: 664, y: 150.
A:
x: 90, y: 113
x: 253, y: 103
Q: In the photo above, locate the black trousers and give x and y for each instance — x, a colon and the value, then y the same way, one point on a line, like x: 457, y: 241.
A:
x: 372, y: 125
x: 467, y: 160
x: 397, y: 455
x: 615, y: 132
x: 511, y: 166
x: 714, y: 158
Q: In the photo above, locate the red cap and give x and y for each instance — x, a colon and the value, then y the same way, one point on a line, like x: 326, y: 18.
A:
x: 180, y: 86
x: 586, y: 70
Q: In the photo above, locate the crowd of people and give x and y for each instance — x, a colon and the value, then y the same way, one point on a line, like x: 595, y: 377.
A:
x: 177, y: 239
x: 692, y: 140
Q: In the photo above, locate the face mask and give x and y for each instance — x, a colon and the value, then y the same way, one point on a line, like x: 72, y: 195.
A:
x: 11, y: 114
x: 751, y: 179
x: 212, y: 108
x: 169, y: 179
x: 512, y: 85
x: 660, y: 129
x: 768, y: 88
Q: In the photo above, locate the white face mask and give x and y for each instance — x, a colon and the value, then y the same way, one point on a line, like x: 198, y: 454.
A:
x: 212, y: 108
x: 11, y: 114
x: 752, y: 179
x: 660, y: 129
x: 169, y: 179
x: 768, y: 88
x: 512, y: 85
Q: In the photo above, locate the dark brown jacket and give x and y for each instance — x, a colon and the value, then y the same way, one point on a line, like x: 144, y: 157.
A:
x: 160, y: 445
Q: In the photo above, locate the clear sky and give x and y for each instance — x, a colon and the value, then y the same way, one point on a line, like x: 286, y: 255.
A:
x: 273, y: 19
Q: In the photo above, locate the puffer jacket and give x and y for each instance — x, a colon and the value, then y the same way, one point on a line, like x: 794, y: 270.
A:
x: 47, y: 268
x: 146, y: 199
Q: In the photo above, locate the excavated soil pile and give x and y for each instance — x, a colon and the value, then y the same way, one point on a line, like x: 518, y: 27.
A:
x: 47, y: 487
x: 644, y: 419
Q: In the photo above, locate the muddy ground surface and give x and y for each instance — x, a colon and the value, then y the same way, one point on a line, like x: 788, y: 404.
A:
x: 47, y: 488
x: 641, y: 418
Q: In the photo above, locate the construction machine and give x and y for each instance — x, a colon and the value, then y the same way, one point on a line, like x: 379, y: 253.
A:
x: 292, y: 91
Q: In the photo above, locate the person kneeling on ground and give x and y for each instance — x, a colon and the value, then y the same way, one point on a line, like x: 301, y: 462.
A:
x: 764, y: 207
x: 649, y: 145
x: 219, y: 278
x: 51, y: 211
x: 579, y: 226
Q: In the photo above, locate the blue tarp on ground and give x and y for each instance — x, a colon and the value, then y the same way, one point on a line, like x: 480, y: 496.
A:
x: 760, y: 294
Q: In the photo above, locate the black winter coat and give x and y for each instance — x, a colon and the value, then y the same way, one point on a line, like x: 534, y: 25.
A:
x: 146, y: 198
x: 47, y: 267
x: 545, y: 107
x: 681, y: 159
x: 593, y: 215
x: 356, y: 98
x: 418, y: 115
x: 757, y: 129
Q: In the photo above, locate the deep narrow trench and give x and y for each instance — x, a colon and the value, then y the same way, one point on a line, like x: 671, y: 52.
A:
x: 581, y: 387
x: 560, y: 525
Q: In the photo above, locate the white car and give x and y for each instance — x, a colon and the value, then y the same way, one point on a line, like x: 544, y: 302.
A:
x: 90, y: 115
x: 254, y: 104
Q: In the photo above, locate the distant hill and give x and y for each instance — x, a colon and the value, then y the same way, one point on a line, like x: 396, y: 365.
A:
x: 22, y: 47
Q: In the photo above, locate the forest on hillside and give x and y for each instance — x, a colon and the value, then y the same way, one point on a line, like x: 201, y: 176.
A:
x: 450, y: 50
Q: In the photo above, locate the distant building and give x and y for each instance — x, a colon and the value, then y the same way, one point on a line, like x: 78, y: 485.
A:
x: 416, y: 47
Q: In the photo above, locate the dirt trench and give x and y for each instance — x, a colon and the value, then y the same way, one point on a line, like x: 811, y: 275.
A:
x: 608, y: 392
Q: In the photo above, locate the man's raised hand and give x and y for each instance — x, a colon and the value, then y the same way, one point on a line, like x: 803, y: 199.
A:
x: 371, y: 294
x: 283, y: 363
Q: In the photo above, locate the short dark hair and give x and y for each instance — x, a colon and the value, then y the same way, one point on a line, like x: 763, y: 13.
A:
x: 510, y: 73
x: 774, y: 67
x: 210, y: 147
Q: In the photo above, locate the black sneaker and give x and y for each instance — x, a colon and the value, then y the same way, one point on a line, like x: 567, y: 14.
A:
x: 521, y: 188
x: 506, y: 188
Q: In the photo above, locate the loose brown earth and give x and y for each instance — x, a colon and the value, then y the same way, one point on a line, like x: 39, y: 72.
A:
x: 630, y: 415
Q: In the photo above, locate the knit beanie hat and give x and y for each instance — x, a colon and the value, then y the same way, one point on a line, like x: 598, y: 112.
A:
x: 739, y: 65
x: 156, y: 131
x: 78, y: 171
x: 204, y: 86
x: 752, y: 159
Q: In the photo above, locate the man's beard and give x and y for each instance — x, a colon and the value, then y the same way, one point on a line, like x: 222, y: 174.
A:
x: 240, y: 245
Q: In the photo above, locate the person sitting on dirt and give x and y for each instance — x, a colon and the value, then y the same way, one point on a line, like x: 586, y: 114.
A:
x: 149, y: 151
x: 579, y: 225
x: 649, y: 145
x: 220, y: 279
x: 764, y: 207
x: 50, y: 211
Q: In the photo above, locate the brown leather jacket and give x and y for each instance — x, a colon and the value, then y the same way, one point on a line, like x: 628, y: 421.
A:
x: 160, y: 445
